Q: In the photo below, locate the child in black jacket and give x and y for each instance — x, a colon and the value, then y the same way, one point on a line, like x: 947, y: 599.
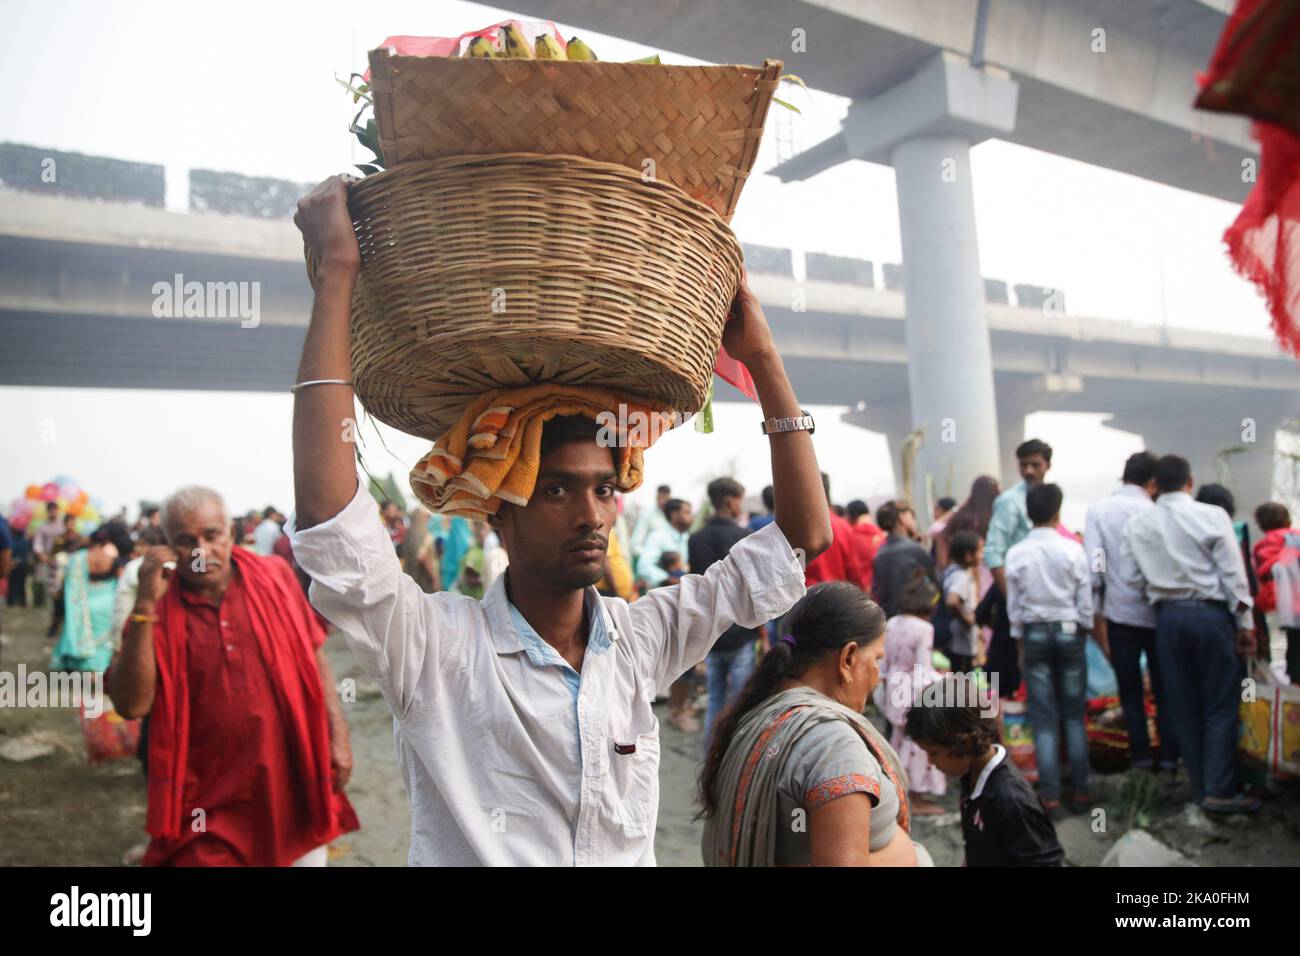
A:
x: 1002, y: 822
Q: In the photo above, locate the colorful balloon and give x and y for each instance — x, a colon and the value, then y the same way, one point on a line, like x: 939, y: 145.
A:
x: 33, y: 492
x: 50, y: 492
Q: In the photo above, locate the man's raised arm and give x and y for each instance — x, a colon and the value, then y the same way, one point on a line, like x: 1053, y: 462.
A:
x: 802, y: 511
x: 324, y: 462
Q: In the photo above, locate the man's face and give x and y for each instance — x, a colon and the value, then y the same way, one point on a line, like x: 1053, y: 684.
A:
x: 1033, y: 469
x: 69, y: 524
x: 391, y: 513
x: 906, y: 523
x: 202, y: 541
x: 561, y: 535
x: 682, y: 518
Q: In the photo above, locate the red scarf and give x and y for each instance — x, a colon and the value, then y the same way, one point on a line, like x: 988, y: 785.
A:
x: 1255, y: 71
x: 282, y: 631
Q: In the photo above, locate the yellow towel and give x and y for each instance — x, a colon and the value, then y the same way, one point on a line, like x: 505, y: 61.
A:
x: 493, y: 453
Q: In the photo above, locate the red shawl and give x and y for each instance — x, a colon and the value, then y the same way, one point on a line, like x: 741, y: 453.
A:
x: 282, y: 631
x: 1255, y: 70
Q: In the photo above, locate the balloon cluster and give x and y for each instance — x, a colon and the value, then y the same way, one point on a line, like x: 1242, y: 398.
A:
x: 64, y: 492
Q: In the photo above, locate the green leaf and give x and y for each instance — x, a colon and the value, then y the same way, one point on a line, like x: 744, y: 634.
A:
x: 704, y: 420
x: 359, y: 92
x: 368, y: 169
x: 790, y: 106
x: 652, y: 59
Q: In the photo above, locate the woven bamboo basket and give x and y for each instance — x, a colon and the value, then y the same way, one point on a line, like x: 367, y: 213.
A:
x: 507, y: 270
x: 700, y: 125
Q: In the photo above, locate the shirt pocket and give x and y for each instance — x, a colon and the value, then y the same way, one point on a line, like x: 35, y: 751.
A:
x: 634, y: 772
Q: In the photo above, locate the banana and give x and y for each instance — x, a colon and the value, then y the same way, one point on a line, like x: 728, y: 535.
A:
x: 547, y: 48
x: 481, y: 47
x: 580, y: 51
x: 514, y: 44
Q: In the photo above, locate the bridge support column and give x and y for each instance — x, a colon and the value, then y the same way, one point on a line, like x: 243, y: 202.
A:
x: 924, y: 128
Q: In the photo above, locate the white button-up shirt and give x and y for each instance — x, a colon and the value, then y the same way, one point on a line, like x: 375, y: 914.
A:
x: 508, y: 755
x: 1111, y: 559
x: 1047, y: 581
x: 1186, y: 549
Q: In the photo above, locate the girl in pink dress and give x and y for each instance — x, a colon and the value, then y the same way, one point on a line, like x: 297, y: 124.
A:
x: 909, y: 643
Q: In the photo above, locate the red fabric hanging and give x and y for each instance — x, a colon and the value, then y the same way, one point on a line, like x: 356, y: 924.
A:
x: 1255, y: 71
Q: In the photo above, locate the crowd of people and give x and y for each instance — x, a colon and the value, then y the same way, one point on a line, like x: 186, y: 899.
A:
x: 995, y: 586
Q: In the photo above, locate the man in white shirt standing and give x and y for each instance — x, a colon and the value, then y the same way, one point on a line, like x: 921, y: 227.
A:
x: 523, y: 722
x: 1049, y: 605
x: 1189, y: 564
x: 268, y: 532
x: 1125, y: 624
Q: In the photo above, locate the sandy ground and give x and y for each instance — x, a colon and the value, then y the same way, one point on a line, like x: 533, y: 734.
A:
x: 57, y: 810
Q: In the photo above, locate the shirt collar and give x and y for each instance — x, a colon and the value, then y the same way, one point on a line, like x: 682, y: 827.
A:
x: 1132, y: 491
x: 999, y: 754
x: 1043, y: 532
x: 501, y: 623
x: 1171, y: 498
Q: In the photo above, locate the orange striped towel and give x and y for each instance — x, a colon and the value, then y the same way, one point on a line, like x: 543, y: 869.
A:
x: 493, y: 453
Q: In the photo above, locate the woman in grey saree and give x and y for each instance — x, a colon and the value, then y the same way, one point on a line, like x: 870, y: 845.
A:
x: 795, y: 774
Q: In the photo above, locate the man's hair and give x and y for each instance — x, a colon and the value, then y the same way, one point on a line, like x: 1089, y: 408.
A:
x: 769, y: 499
x: 672, y: 506
x: 1217, y: 495
x: 1272, y: 515
x: 51, y: 507
x: 856, y: 509
x: 668, y: 559
x: 563, y: 429
x: 151, y: 537
x: 721, y: 489
x: 963, y: 544
x: 269, y: 512
x: 887, y: 515
x: 1043, y: 502
x: 1033, y: 447
x: 946, y: 504
x: 663, y: 490
x: 837, y: 510
x: 963, y: 731
x: 1140, y: 468
x: 1172, y: 473
x: 184, y: 500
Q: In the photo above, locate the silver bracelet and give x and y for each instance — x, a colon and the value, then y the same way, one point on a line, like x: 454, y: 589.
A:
x: 319, y: 381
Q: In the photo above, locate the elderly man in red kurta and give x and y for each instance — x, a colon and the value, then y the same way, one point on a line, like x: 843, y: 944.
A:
x: 248, y: 750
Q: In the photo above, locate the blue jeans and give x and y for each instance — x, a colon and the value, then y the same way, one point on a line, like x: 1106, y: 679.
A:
x: 1056, y: 680
x: 728, y: 671
x: 1197, y: 644
x: 1126, y: 646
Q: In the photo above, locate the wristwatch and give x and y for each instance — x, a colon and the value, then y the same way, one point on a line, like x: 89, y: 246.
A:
x: 802, y: 423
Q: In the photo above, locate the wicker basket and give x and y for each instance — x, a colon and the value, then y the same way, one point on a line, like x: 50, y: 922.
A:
x: 501, y: 271
x: 701, y: 125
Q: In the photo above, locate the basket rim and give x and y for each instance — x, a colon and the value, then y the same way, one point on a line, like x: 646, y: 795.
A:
x: 375, y: 181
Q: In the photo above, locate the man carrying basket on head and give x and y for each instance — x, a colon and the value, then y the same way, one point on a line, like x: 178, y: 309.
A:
x: 523, y: 721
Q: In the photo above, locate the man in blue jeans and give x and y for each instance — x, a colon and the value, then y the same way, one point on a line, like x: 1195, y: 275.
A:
x: 731, y: 660
x: 1189, y: 564
x: 1049, y: 606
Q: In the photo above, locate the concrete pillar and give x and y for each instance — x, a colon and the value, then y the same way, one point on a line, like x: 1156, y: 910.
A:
x: 1011, y: 432
x: 924, y: 128
x: 950, y: 364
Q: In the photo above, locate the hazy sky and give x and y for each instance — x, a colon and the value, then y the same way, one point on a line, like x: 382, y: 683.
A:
x: 248, y: 87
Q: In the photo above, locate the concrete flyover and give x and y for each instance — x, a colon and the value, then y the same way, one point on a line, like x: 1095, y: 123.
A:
x: 77, y: 309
